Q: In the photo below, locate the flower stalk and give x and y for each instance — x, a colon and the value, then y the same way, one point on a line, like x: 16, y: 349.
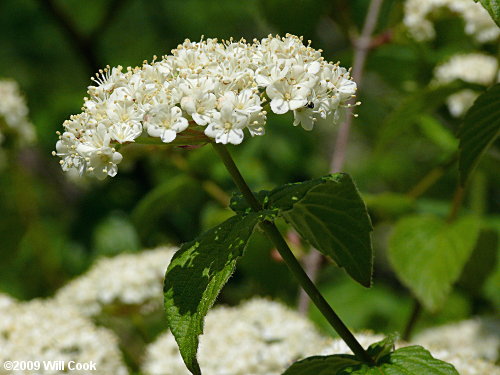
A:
x: 294, y: 266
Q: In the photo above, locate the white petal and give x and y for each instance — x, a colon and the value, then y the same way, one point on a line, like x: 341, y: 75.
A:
x: 314, y: 67
x: 200, y: 119
x: 279, y: 106
x: 297, y: 103
x: 188, y: 104
x: 168, y: 135
x: 116, y: 158
x: 155, y: 131
x: 211, y: 130
x: 180, y: 125
x: 275, y: 90
x: 234, y: 136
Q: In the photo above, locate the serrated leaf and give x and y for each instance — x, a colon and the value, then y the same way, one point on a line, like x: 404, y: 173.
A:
x: 412, y: 360
x: 428, y: 254
x: 329, y: 213
x: 480, y: 128
x: 196, y: 275
x: 493, y: 8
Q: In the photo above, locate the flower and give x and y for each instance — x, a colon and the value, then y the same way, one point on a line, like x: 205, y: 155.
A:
x: 126, y: 279
x: 465, y: 363
x: 476, y: 68
x: 215, y: 90
x: 6, y: 301
x: 226, y: 126
x: 262, y: 337
x: 14, y: 113
x: 165, y: 121
x: 471, y: 67
x: 461, y: 101
x: 48, y: 331
x: 478, y: 22
x: 257, y: 337
x: 479, y: 338
x: 338, y: 346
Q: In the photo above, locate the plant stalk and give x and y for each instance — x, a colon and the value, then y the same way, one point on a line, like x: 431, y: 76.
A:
x: 458, y: 199
x: 412, y: 320
x: 294, y: 266
x: 362, y: 46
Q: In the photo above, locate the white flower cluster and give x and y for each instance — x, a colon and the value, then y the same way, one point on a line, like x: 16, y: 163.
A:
x: 465, y: 363
x: 6, y: 301
x: 478, y: 23
x: 46, y: 331
x: 126, y: 279
x: 479, y: 338
x: 476, y: 68
x: 14, y: 113
x: 203, y: 89
x: 338, y: 346
x: 472, y: 67
x: 259, y: 337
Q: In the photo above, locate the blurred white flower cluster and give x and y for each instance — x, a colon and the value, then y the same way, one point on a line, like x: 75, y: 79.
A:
x: 478, y: 23
x: 6, y: 301
x: 258, y: 337
x: 476, y: 68
x: 203, y: 89
x: 14, y: 122
x: 465, y: 363
x: 472, y: 346
x: 472, y: 67
x: 47, y: 331
x: 479, y: 338
x: 124, y: 280
x: 338, y: 346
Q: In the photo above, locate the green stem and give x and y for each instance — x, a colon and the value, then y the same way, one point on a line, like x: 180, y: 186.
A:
x: 277, y: 239
x: 431, y: 178
x: 458, y: 199
x: 410, y: 325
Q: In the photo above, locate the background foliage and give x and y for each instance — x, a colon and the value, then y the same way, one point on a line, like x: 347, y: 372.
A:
x: 52, y: 226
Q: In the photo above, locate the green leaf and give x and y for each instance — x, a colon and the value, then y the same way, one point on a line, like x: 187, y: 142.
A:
x: 382, y: 348
x: 428, y: 254
x: 482, y: 263
x: 437, y: 133
x: 239, y: 204
x: 479, y: 130
x: 410, y: 110
x: 493, y: 8
x: 114, y: 235
x: 196, y: 275
x: 322, y: 365
x: 389, y: 205
x: 412, y: 360
x: 329, y: 213
x: 159, y: 200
